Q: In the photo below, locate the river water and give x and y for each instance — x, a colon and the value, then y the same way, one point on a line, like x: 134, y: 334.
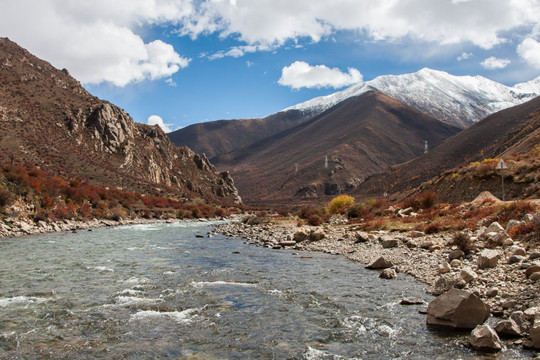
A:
x: 158, y: 291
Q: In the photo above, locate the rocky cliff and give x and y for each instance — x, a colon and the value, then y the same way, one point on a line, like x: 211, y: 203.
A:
x: 48, y: 120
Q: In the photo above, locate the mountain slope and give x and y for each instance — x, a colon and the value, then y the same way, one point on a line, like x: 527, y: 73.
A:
x: 510, y: 131
x: 334, y: 151
x: 219, y: 137
x: 48, y: 120
x: 457, y: 100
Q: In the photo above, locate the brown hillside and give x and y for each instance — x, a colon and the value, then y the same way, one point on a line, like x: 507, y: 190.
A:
x: 360, y: 136
x: 223, y: 136
x: 48, y: 120
x: 505, y: 134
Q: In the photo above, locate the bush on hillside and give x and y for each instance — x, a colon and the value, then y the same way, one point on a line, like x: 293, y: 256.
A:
x: 340, y: 202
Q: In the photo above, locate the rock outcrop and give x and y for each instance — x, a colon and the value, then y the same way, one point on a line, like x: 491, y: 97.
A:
x: 50, y: 121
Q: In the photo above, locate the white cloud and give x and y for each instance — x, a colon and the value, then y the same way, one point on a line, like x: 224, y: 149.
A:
x: 440, y: 21
x: 300, y: 74
x: 95, y: 39
x: 157, y: 120
x: 529, y: 50
x: 493, y: 63
x: 464, y: 56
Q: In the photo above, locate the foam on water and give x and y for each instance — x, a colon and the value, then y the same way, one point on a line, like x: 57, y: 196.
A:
x: 134, y: 300
x: 200, y: 284
x: 100, y: 268
x: 17, y: 300
x: 182, y: 317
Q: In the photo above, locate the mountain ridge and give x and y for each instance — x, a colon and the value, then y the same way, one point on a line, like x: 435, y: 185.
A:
x: 457, y: 100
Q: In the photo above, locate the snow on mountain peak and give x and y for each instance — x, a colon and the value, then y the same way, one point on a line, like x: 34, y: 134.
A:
x: 457, y: 100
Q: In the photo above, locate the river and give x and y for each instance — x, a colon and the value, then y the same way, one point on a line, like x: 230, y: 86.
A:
x: 159, y: 291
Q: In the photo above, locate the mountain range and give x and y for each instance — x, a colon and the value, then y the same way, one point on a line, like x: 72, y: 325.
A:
x: 49, y: 121
x: 333, y: 144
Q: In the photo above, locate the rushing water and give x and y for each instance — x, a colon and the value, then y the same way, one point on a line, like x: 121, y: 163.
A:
x: 158, y: 291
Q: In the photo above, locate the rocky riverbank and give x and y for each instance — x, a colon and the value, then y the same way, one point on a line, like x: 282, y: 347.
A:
x: 19, y: 228
x: 503, y: 273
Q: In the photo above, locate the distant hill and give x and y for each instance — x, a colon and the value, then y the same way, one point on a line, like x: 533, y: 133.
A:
x: 48, y: 120
x: 512, y: 134
x: 220, y: 137
x: 335, y: 151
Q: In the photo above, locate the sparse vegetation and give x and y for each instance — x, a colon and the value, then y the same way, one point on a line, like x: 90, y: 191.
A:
x: 53, y: 198
x: 463, y: 242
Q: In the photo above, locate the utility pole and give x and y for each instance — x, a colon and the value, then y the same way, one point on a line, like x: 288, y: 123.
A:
x: 501, y: 166
x: 425, y: 147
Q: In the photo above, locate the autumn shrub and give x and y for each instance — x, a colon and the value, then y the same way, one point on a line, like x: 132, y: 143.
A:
x: 196, y: 213
x: 536, y: 223
x: 424, y: 200
x: 220, y: 212
x: 520, y: 230
x: 340, y: 202
x: 357, y: 211
x: 307, y: 211
x: 314, y: 220
x: 463, y: 242
x: 433, y: 228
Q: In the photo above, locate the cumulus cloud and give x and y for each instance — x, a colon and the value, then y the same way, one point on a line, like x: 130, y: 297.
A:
x: 440, y: 21
x: 95, y: 40
x: 300, y: 74
x: 157, y: 120
x: 529, y: 50
x: 493, y: 63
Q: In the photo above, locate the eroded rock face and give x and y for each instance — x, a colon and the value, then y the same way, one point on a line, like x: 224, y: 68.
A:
x: 457, y: 309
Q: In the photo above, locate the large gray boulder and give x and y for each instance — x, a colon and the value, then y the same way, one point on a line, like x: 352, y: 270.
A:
x: 483, y: 337
x: 457, y: 309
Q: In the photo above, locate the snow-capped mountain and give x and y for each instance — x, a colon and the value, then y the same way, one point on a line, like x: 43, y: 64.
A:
x: 457, y: 100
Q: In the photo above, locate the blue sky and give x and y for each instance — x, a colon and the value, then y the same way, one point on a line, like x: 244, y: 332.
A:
x: 181, y: 62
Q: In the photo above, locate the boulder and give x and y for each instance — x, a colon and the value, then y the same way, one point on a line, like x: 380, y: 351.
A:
x: 417, y: 234
x: 534, y: 276
x: 488, y: 259
x: 379, y: 263
x: 300, y: 236
x: 388, y: 274
x: 531, y: 270
x: 494, y: 227
x: 467, y: 274
x: 534, y: 332
x: 317, y: 234
x: 361, y: 237
x: 457, y: 309
x: 515, y: 259
x: 534, y: 255
x: 411, y: 301
x: 484, y: 338
x: 456, y: 254
x: 492, y: 292
x: 508, y: 328
x: 444, y: 283
x: 444, y: 268
x: 498, y: 239
x: 389, y: 243
x: 455, y: 263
